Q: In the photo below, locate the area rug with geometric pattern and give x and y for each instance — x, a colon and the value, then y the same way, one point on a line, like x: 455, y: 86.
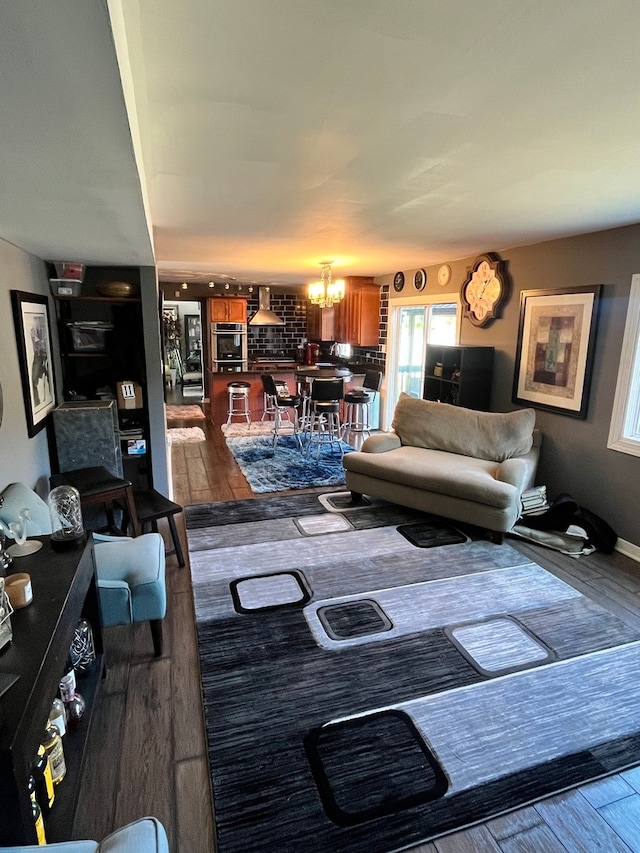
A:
x: 367, y: 690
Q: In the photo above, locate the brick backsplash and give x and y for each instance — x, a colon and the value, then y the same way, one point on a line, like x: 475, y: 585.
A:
x: 284, y: 340
x: 279, y: 340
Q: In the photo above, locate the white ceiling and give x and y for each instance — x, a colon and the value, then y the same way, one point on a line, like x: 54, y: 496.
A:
x: 254, y: 138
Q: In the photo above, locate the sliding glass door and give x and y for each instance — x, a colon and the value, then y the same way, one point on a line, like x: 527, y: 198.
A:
x: 411, y: 328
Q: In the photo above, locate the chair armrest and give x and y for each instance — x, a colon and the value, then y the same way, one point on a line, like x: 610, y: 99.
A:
x: 381, y: 442
x: 106, y: 537
x: 146, y: 835
x: 115, y: 602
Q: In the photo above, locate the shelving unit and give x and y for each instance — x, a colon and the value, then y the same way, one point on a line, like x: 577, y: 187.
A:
x: 460, y: 376
x: 64, y: 589
x: 101, y: 345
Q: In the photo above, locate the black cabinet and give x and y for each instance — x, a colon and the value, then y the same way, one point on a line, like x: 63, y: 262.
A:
x: 460, y: 376
x: 103, y: 358
x: 64, y: 589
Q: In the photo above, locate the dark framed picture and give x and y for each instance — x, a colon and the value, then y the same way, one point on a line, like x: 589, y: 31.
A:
x: 554, y: 355
x: 33, y: 336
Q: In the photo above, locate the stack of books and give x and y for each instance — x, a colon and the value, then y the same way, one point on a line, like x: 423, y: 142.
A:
x: 534, y: 501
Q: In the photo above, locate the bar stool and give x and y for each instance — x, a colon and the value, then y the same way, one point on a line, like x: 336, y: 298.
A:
x: 358, y: 404
x: 280, y: 402
x: 323, y: 425
x: 238, y: 401
x: 270, y: 400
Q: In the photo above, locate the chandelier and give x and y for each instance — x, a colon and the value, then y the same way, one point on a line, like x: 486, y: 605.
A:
x: 326, y: 292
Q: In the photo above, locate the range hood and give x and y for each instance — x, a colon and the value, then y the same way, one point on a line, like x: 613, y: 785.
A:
x: 264, y: 316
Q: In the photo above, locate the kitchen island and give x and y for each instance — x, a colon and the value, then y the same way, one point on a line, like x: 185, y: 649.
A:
x: 293, y: 375
x: 219, y: 395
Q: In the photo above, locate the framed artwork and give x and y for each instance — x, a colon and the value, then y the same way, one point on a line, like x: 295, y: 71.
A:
x: 554, y: 355
x: 33, y: 336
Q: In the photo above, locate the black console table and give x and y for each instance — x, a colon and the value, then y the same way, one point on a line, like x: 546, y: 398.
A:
x: 64, y: 589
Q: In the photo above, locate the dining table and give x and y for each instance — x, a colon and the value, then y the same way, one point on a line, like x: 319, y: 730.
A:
x: 307, y: 373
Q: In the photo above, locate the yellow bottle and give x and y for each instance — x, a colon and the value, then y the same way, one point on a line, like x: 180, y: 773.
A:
x: 36, y: 811
x: 55, y: 753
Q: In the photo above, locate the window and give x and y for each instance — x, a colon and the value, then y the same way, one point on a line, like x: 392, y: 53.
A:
x: 624, y: 432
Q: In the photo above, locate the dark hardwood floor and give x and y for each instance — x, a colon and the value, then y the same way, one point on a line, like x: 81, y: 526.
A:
x: 147, y: 751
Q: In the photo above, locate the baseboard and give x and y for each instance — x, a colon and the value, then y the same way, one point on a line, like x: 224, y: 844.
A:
x: 628, y: 549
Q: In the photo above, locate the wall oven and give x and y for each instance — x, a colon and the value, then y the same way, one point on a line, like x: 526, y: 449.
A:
x: 229, y: 347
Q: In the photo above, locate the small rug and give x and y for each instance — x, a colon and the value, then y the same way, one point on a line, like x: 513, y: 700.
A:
x: 188, y: 413
x: 252, y: 429
x: 186, y: 435
x: 363, y: 695
x: 288, y: 467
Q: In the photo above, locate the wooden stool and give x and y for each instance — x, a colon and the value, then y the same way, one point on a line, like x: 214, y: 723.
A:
x: 150, y: 506
x: 97, y: 485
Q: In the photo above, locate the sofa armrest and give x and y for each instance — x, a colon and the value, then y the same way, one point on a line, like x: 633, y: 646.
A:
x: 381, y: 442
x: 514, y: 472
x: 520, y: 471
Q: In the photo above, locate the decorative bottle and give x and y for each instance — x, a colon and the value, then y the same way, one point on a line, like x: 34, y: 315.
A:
x: 82, y: 652
x: 58, y: 716
x: 45, y: 792
x: 55, y: 753
x: 74, y: 704
x: 36, y: 811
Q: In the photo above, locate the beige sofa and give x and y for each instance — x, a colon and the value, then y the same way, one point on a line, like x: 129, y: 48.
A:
x: 458, y: 463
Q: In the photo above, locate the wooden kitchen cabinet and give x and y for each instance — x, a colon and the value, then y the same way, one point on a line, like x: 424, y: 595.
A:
x: 320, y: 323
x: 356, y: 318
x: 228, y: 310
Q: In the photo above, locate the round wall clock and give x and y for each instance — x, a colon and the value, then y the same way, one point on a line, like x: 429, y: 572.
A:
x: 398, y: 281
x: 484, y: 289
x: 420, y: 280
x: 444, y: 275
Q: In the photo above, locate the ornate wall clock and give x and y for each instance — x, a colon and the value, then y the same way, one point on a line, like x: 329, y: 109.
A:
x: 398, y: 281
x: 484, y: 290
x: 420, y: 280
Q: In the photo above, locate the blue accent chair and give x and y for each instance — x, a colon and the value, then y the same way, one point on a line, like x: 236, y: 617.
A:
x: 146, y: 835
x: 130, y: 572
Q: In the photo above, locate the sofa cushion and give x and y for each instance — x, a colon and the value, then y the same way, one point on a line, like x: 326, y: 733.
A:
x: 484, y: 435
x: 438, y: 472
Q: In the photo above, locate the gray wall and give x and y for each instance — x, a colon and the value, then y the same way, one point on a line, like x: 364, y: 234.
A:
x: 26, y: 459
x: 575, y: 457
x: 22, y: 458
x: 149, y: 294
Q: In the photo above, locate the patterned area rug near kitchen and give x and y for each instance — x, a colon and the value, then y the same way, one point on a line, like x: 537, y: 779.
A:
x: 364, y: 692
x: 288, y: 466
